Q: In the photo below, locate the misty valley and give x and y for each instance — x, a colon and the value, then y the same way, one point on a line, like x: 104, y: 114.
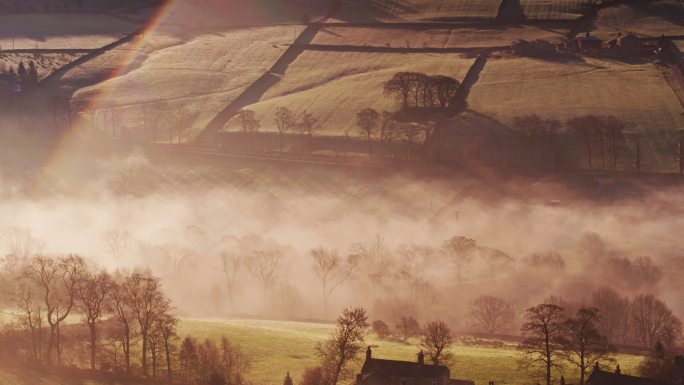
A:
x: 341, y: 192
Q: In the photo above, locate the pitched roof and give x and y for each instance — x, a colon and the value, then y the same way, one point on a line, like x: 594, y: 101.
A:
x: 403, y: 368
x: 600, y: 377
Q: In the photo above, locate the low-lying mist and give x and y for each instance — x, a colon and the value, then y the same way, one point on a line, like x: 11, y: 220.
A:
x: 563, y: 238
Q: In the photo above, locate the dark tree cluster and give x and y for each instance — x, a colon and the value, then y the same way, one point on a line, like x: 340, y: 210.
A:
x: 416, y: 90
x: 211, y: 363
x: 560, y: 332
x: 122, y: 313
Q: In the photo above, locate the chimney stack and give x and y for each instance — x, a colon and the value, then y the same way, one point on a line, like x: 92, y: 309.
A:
x: 617, y: 370
x: 421, y: 357
x: 369, y: 353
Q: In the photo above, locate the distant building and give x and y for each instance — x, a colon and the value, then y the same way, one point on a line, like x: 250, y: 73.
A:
x: 601, y: 377
x: 588, y: 44
x: 392, y: 372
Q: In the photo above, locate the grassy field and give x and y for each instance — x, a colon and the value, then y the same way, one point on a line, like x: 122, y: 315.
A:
x: 56, y: 31
x: 200, y: 75
x: 510, y: 87
x: 440, y: 38
x: 278, y: 346
x: 645, y: 18
x: 553, y: 10
x: 45, y: 63
x: 334, y: 86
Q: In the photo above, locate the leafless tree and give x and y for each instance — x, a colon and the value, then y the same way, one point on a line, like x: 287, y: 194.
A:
x: 147, y: 303
x: 30, y: 317
x: 177, y: 124
x: 496, y: 259
x: 460, y: 249
x: 374, y: 264
x: 367, y: 120
x: 231, y: 266
x: 57, y: 278
x: 652, y: 321
x: 583, y: 344
x: 542, y: 332
x: 491, y: 314
x: 436, y: 341
x: 613, y: 323
x: 401, y: 86
x: 407, y: 327
x: 445, y: 90
x: 307, y: 125
x: 21, y: 247
x: 285, y: 120
x: 125, y: 317
x: 118, y: 242
x: 332, y: 270
x: 92, y: 293
x: 264, y: 266
x: 248, y: 122
x: 344, y: 345
x: 388, y: 130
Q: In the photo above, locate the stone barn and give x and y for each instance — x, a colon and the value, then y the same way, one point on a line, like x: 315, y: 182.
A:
x: 377, y: 371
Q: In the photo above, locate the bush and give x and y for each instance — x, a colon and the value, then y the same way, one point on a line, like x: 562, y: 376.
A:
x: 381, y: 329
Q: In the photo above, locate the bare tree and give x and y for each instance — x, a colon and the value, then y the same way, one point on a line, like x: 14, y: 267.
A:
x: 307, y: 124
x: 583, y: 344
x: 58, y: 280
x: 367, y: 120
x: 21, y: 247
x: 496, y: 259
x: 231, y: 266
x: 125, y: 318
x: 400, y: 87
x: 491, y: 314
x: 92, y: 293
x: 264, y: 266
x: 332, y: 271
x: 248, y: 122
x: 652, y: 321
x: 374, y: 264
x: 407, y: 327
x: 436, y: 341
x: 460, y: 249
x: 344, y: 345
x: 445, y: 90
x: 285, y: 120
x: 147, y: 303
x: 166, y: 326
x: 614, y: 314
x: 118, y: 242
x: 30, y: 317
x: 542, y: 332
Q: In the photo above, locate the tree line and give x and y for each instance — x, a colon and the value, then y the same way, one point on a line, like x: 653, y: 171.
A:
x: 126, y: 324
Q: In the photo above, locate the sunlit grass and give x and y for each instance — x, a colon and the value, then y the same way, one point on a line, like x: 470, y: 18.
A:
x: 276, y: 347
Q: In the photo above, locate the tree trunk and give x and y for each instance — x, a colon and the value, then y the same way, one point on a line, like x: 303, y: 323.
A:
x: 93, y: 340
x: 144, y: 352
x: 167, y: 350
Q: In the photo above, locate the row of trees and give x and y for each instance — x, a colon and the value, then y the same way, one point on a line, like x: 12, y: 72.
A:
x: 416, y: 90
x: 51, y: 289
x: 27, y: 76
x: 602, y: 138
